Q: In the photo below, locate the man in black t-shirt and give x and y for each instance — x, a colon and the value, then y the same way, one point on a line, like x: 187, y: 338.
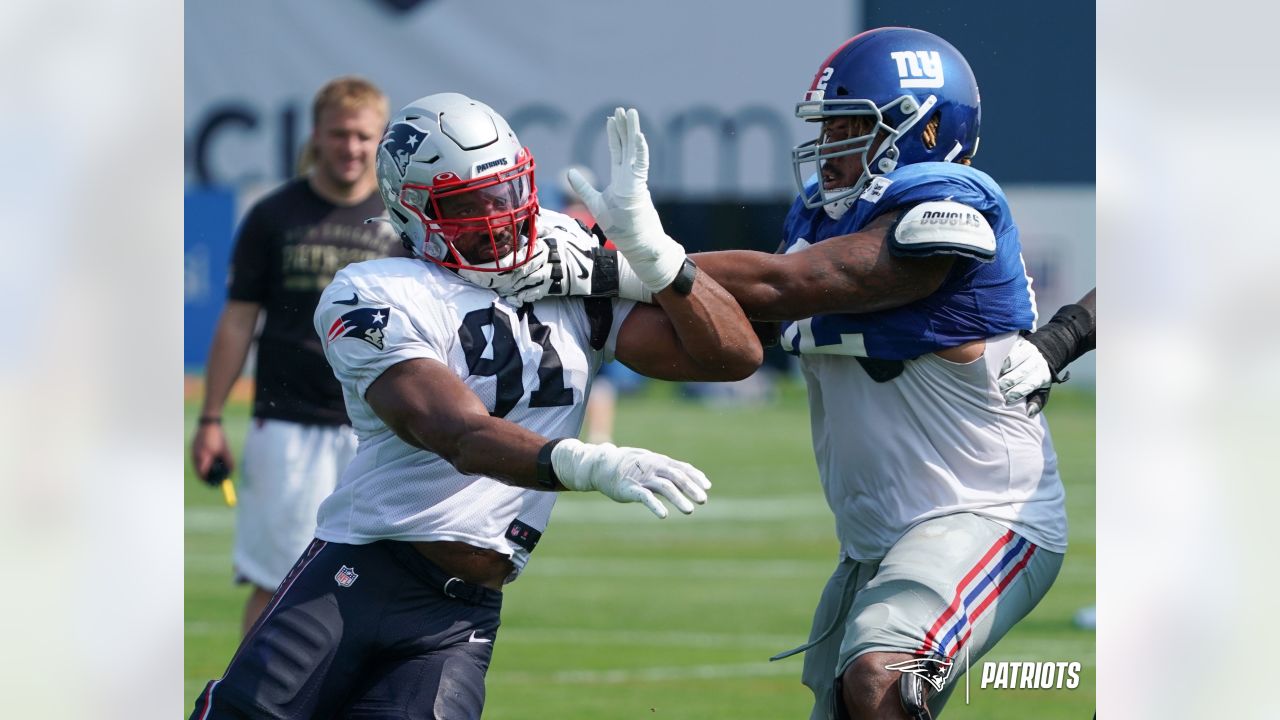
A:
x: 289, y: 247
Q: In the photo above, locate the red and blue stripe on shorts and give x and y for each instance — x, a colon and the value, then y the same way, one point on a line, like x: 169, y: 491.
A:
x: 976, y: 594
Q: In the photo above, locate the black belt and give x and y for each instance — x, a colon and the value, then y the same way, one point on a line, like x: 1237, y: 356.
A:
x: 435, y: 576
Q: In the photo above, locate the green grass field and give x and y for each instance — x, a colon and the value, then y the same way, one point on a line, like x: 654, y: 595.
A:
x: 621, y: 615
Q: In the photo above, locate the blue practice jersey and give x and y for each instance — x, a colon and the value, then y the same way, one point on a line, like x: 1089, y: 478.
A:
x: 980, y: 298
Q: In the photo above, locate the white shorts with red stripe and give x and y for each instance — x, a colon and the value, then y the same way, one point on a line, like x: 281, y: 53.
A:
x: 952, y: 584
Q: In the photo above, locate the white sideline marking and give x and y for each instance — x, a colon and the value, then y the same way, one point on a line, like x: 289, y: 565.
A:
x: 599, y: 510
x: 209, y: 520
x: 540, y: 636
x: 582, y: 636
x: 581, y: 508
x: 652, y: 674
x: 697, y: 568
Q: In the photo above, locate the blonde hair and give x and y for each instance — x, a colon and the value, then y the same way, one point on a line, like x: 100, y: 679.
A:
x: 346, y: 92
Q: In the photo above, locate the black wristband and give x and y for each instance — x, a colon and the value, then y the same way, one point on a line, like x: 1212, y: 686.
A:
x: 546, y: 474
x: 210, y: 420
x: 1066, y: 337
x: 604, y: 274
x: 683, y: 282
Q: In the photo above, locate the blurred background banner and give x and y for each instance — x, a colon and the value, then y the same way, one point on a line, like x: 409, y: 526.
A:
x: 716, y: 84
x: 715, y: 88
x: 208, y: 213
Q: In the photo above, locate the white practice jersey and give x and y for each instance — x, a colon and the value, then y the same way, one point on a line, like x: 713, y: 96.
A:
x: 531, y: 365
x: 936, y: 440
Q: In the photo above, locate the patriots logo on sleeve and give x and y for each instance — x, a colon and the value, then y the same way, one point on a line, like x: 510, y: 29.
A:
x: 366, y: 324
x: 400, y: 142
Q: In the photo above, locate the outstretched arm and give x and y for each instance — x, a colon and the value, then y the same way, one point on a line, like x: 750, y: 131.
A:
x: 853, y: 273
x: 429, y: 407
x: 702, y: 336
x: 699, y: 332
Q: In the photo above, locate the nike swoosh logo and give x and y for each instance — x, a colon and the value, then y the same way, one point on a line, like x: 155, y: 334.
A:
x: 355, y: 300
x: 583, y: 274
x: 473, y: 638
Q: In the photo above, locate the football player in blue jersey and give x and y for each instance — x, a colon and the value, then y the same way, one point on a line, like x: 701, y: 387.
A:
x: 901, y: 287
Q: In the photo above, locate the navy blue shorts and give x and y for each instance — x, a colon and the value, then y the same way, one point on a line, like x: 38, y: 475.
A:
x: 362, y: 631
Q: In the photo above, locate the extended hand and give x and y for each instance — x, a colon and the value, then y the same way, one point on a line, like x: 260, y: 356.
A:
x: 625, y: 211
x: 570, y: 267
x: 507, y: 282
x: 628, y: 474
x: 1025, y: 373
x: 209, y: 446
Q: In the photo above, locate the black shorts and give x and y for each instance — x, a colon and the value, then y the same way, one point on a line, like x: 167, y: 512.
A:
x: 362, y: 631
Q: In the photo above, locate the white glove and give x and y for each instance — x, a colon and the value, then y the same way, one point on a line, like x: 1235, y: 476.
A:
x: 503, y: 282
x: 575, y: 266
x: 1024, y: 371
x: 628, y: 474
x: 567, y: 270
x: 625, y: 211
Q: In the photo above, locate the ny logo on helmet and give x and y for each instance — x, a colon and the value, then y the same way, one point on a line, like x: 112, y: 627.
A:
x: 919, y: 69
x: 400, y: 142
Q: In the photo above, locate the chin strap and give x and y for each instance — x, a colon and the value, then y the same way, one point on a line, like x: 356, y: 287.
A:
x: 836, y: 210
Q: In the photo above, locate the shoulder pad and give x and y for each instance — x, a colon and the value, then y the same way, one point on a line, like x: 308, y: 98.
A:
x: 943, y: 227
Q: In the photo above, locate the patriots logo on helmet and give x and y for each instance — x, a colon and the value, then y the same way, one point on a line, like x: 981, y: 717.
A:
x: 366, y: 324
x: 400, y: 142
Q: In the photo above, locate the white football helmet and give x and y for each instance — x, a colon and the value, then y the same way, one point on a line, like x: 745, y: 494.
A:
x: 459, y: 188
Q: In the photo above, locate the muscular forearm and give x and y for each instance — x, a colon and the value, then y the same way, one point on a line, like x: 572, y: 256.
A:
x: 429, y: 407
x: 756, y: 280
x: 713, y: 330
x: 496, y: 448
x: 843, y: 275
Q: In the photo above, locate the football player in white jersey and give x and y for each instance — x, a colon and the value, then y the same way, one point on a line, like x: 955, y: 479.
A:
x: 901, y: 288
x: 467, y: 406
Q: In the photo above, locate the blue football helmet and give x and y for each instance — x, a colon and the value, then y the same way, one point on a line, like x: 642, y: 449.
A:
x: 901, y: 78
